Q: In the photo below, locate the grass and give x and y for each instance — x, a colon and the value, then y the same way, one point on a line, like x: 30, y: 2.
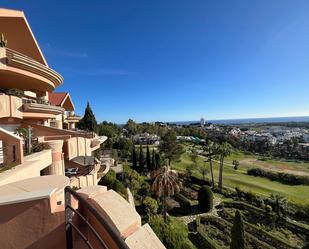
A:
x: 298, y: 194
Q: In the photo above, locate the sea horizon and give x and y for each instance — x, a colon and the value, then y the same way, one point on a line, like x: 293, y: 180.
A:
x: 247, y: 120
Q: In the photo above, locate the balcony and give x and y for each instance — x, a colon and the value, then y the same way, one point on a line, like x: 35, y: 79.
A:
x: 24, y: 107
x: 35, y: 107
x: 22, y: 72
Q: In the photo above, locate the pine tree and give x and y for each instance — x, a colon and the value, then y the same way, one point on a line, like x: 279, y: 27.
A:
x: 148, y: 159
x: 88, y: 122
x: 238, y: 232
x: 170, y: 147
x: 141, y: 158
x: 134, y: 158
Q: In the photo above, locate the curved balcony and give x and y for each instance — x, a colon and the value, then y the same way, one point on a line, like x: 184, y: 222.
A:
x: 22, y: 72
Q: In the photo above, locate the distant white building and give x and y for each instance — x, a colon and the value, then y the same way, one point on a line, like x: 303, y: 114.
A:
x: 202, y: 122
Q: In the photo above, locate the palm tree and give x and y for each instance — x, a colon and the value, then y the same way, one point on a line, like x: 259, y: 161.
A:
x: 165, y: 184
x: 223, y: 151
x: 210, y: 148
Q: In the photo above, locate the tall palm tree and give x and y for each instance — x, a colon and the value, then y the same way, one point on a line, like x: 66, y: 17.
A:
x: 223, y: 151
x: 210, y: 148
x: 165, y: 184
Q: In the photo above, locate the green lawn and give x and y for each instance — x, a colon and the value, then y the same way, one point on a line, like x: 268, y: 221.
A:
x: 238, y: 178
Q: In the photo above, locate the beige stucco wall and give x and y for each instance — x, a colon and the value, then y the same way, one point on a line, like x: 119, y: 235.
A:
x: 12, y: 147
x: 31, y: 225
x: 10, y: 106
x: 75, y: 147
x: 31, y: 167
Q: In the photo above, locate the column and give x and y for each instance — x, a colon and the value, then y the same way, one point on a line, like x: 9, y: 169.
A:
x: 57, y: 167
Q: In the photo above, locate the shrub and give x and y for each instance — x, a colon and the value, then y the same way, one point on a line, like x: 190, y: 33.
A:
x: 172, y: 233
x: 205, y: 199
x: 120, y: 188
x: 15, y: 92
x: 238, y: 232
x: 204, y: 241
x: 150, y: 205
x: 198, y: 181
x: 284, y: 178
x: 306, y: 246
x: 268, y: 208
x: 109, y: 179
x: 111, y: 182
x: 37, y: 147
x: 185, y: 204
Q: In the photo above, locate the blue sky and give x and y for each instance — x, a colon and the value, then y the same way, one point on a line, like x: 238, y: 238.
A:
x: 177, y: 60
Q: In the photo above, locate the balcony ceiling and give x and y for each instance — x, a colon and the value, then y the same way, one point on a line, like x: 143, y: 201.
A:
x: 18, y: 33
x: 23, y: 80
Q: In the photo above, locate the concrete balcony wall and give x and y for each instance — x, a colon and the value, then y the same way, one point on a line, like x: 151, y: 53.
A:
x: 77, y: 146
x: 10, y: 106
x: 12, y: 147
x: 22, y: 72
x: 122, y: 216
x: 34, y: 225
x: 31, y: 167
x: 84, y: 181
x: 31, y: 216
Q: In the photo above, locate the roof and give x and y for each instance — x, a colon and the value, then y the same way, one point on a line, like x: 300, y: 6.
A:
x: 15, y: 28
x: 61, y: 99
x: 56, y: 98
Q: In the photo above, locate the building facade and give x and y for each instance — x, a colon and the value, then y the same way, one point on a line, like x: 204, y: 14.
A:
x: 42, y: 152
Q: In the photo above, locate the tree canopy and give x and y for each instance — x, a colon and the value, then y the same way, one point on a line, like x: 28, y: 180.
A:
x: 88, y: 122
x: 170, y: 147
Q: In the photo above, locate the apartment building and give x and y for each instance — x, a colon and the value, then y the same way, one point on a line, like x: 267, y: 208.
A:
x: 39, y: 145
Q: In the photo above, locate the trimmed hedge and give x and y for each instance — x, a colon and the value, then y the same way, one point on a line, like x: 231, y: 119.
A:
x: 281, y: 177
x: 185, y: 204
x: 205, y: 199
x: 261, y: 234
x: 198, y: 181
x: 226, y: 226
x: 204, y: 240
x: 291, y: 225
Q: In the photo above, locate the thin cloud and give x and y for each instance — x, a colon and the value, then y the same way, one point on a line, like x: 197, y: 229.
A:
x: 102, y: 72
x: 97, y: 72
x: 48, y: 49
x: 75, y: 55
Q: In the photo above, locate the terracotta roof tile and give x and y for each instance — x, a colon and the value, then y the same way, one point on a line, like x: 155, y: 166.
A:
x: 56, y: 98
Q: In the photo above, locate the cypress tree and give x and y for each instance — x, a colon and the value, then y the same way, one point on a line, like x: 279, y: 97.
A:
x: 238, y: 232
x: 157, y: 161
x: 141, y: 158
x: 148, y: 159
x: 134, y: 158
x: 153, y: 161
x: 88, y: 122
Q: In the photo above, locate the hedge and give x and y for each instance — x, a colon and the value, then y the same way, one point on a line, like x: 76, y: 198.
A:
x: 226, y: 226
x: 204, y: 240
x: 284, y: 178
x: 185, y: 204
x: 205, y: 199
x: 263, y: 235
x: 291, y: 225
